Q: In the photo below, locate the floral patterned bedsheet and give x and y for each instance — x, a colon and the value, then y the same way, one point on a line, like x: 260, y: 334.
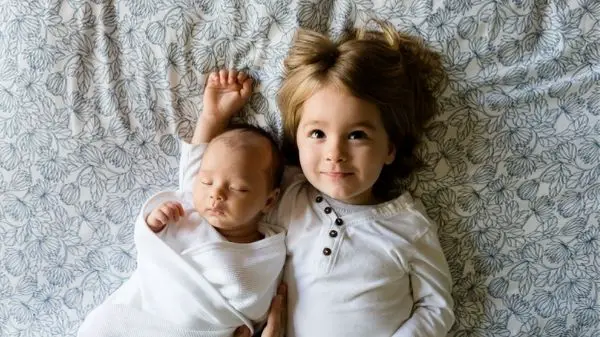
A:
x: 94, y: 95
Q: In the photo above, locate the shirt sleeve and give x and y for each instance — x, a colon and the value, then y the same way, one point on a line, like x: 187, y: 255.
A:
x: 431, y: 284
x: 189, y: 164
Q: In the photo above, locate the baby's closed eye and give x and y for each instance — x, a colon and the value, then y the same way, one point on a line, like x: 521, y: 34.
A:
x: 242, y: 189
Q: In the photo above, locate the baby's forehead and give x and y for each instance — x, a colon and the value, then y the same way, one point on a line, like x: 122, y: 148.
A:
x: 252, y: 147
x: 241, y: 138
x: 243, y: 149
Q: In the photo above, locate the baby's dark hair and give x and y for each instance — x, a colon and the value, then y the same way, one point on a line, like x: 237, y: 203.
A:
x: 277, y: 160
x: 392, y: 70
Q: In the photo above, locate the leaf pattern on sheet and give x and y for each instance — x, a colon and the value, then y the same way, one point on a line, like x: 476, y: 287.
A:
x: 94, y: 96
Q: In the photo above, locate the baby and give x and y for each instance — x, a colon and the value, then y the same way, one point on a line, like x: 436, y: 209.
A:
x: 207, y: 264
x: 233, y: 185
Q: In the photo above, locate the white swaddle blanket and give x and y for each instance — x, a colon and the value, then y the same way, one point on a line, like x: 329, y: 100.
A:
x: 208, y: 289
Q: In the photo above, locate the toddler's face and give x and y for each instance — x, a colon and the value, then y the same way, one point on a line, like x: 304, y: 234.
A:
x: 232, y: 187
x: 342, y: 145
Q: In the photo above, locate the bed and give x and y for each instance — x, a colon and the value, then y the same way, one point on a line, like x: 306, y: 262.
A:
x: 94, y: 96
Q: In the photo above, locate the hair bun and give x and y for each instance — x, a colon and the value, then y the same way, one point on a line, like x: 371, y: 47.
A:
x: 420, y: 61
x: 311, y: 48
x: 329, y: 57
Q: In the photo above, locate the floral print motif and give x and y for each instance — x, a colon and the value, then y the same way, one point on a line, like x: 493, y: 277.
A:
x: 95, y: 94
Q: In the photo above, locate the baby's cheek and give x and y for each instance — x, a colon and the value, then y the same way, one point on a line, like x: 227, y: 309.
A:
x: 197, y: 197
x: 251, y: 205
x: 196, y: 189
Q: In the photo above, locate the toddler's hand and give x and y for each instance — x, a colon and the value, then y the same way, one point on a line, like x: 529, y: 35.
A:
x: 276, y: 320
x: 225, y: 94
x: 169, y: 211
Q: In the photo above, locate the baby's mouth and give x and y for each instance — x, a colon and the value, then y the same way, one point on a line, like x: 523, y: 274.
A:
x: 215, y: 211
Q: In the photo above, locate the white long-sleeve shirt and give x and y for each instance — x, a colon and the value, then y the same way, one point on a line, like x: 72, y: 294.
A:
x: 378, y: 272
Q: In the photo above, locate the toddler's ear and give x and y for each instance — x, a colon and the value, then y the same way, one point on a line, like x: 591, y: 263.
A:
x: 391, y: 153
x: 271, y: 200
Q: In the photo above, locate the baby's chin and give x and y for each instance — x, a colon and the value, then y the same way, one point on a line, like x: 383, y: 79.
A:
x: 221, y: 221
x: 216, y: 220
x: 232, y: 231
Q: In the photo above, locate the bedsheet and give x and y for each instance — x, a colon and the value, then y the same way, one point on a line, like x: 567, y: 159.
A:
x: 94, y: 95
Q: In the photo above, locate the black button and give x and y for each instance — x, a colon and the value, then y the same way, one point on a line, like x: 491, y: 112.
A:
x: 326, y: 251
x: 333, y: 233
x: 327, y: 210
x: 319, y: 199
x: 339, y: 221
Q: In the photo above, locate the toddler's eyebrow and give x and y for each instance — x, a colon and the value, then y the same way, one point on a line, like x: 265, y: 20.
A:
x: 313, y: 123
x: 363, y: 124
x: 366, y: 125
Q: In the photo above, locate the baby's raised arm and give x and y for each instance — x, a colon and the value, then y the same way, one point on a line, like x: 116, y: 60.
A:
x: 225, y: 94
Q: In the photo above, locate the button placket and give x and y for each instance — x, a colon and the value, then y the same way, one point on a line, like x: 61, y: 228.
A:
x: 331, y: 242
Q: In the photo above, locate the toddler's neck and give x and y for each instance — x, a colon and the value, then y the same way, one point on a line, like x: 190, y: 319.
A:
x: 343, y: 208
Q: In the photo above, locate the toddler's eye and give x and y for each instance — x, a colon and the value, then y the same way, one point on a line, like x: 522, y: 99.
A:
x: 357, y: 135
x: 206, y: 182
x: 317, y: 134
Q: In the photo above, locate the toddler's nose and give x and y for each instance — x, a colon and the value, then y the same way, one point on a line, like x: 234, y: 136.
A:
x: 336, y: 152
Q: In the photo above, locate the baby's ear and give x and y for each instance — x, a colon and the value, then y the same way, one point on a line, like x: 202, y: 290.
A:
x: 271, y: 200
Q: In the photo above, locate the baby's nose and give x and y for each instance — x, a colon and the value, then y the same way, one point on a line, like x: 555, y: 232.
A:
x: 217, y: 194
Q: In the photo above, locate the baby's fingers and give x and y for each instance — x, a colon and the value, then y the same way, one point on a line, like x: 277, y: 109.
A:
x: 160, y: 217
x: 213, y: 78
x: 241, y: 77
x: 223, y: 74
x: 246, y: 90
x: 176, y: 210
x: 180, y: 209
x: 232, y: 76
x: 173, y: 210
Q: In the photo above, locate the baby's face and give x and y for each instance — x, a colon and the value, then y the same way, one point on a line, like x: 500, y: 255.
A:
x: 232, y: 188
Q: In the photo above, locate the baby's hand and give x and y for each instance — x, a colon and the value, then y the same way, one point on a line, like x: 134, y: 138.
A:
x: 226, y: 93
x: 169, y: 211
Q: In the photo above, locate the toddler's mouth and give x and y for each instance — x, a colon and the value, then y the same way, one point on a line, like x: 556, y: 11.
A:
x: 336, y: 174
